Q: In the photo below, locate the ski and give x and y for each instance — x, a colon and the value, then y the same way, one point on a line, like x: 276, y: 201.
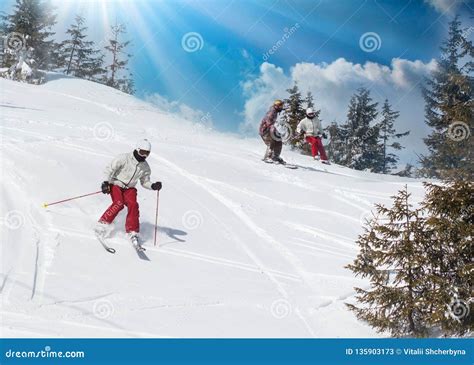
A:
x: 104, y: 245
x: 140, y: 250
x: 286, y: 165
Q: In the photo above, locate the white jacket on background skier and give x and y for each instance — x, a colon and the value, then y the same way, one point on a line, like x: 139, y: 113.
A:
x: 310, y: 127
x: 312, y: 130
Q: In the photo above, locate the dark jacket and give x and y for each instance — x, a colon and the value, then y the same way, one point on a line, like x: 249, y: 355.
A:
x: 268, y: 121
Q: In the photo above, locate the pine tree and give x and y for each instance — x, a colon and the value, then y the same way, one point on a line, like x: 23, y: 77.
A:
x: 294, y: 110
x: 388, y: 160
x: 79, y: 57
x: 449, y: 110
x: 309, y: 102
x: 362, y: 136
x: 450, y: 223
x: 119, y: 60
x: 392, y: 256
x: 3, y: 34
x: 337, y: 147
x: 33, y: 19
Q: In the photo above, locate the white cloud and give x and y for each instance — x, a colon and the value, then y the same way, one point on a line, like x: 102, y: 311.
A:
x: 444, y: 6
x: 181, y: 110
x: 332, y: 86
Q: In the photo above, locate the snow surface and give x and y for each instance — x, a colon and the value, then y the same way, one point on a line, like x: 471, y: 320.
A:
x: 246, y: 249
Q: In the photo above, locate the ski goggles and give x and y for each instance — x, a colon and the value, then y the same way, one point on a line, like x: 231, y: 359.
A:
x: 311, y: 115
x: 143, y: 153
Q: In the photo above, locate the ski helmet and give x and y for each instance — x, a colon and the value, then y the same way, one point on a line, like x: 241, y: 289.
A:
x: 143, y: 147
x: 310, y: 113
x: 278, y: 104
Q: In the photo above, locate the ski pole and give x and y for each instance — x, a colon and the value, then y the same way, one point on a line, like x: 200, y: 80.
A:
x: 45, y: 205
x: 156, y: 214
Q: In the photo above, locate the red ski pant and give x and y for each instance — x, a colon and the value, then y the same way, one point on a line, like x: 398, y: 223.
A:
x: 120, y: 198
x: 316, y: 145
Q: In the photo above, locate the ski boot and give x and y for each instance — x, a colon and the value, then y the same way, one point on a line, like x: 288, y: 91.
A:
x: 135, y: 239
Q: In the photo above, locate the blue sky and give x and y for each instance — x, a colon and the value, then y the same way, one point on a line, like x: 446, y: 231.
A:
x: 236, y: 33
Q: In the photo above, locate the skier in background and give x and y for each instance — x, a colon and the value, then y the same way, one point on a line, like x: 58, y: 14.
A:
x: 122, y: 174
x: 310, y: 128
x: 270, y: 134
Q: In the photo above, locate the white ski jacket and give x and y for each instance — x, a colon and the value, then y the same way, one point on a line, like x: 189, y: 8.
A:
x: 310, y: 127
x: 125, y: 171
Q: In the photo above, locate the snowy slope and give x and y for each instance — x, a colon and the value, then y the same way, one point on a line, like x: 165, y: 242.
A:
x: 245, y: 249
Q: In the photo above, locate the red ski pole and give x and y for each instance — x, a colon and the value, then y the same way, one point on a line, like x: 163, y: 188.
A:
x: 45, y: 205
x: 156, y: 214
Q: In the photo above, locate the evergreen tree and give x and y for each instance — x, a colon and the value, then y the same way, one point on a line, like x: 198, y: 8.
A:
x: 309, y: 102
x: 294, y: 109
x: 449, y: 110
x: 3, y: 34
x: 119, y: 62
x: 450, y: 222
x: 129, y: 86
x: 33, y: 19
x: 392, y: 256
x: 79, y: 57
x: 388, y: 161
x: 419, y: 263
x: 362, y: 150
x: 337, y: 147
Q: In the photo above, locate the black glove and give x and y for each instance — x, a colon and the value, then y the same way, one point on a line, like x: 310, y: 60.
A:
x: 105, y: 187
x: 325, y: 135
x: 157, y: 185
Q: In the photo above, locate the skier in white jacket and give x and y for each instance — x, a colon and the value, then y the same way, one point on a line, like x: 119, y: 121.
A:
x: 310, y: 128
x: 122, y: 175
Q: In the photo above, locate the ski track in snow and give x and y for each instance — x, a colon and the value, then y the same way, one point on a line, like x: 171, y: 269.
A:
x: 236, y: 209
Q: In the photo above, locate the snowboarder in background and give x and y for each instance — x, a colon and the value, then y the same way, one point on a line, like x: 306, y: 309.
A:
x: 310, y: 128
x: 270, y: 134
x: 122, y: 174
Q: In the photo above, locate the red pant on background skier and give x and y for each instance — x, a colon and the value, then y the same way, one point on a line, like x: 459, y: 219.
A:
x: 122, y: 175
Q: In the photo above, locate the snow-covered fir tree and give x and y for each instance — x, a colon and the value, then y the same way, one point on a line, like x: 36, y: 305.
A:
x: 119, y: 60
x: 362, y: 149
x: 337, y: 147
x: 450, y: 223
x: 388, y: 134
x: 31, y: 22
x: 393, y: 257
x: 79, y: 56
x: 309, y: 102
x: 294, y: 108
x: 449, y: 109
x: 419, y: 263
